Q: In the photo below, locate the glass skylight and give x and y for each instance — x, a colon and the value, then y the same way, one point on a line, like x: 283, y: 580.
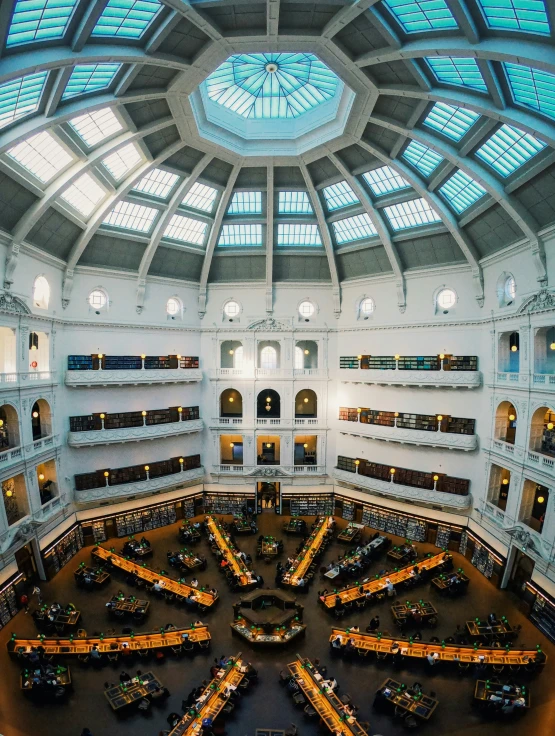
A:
x: 272, y: 85
x: 422, y: 157
x: 20, y: 97
x: 126, y: 18
x: 294, y: 203
x: 121, y: 162
x: 42, y: 155
x: 39, y: 20
x: 461, y: 72
x: 461, y: 191
x: 96, y: 126
x: 298, y: 234
x: 89, y: 78
x: 354, y: 228
x: 422, y: 15
x: 248, y: 234
x: 84, y: 194
x: 411, y: 214
x: 186, y: 229
x: 508, y: 149
x: 131, y: 216
x: 339, y: 195
x: 245, y: 203
x: 516, y: 15
x: 157, y: 183
x: 532, y: 88
x: 384, y: 180
x: 454, y: 122
x: 200, y: 197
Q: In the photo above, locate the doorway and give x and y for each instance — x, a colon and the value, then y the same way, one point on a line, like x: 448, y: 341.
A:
x: 521, y: 573
x: 268, y: 497
x: 26, y: 564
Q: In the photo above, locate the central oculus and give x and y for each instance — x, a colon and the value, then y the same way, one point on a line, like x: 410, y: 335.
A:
x: 272, y: 85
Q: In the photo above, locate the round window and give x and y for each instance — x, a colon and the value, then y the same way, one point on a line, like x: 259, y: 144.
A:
x: 232, y: 309
x: 97, y: 299
x: 306, y: 309
x: 173, y: 306
x: 367, y: 306
x: 446, y: 299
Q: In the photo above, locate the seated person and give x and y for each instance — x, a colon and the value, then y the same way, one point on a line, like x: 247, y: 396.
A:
x: 492, y: 619
x: 336, y: 643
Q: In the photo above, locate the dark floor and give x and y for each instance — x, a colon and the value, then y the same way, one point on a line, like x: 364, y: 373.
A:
x: 267, y: 704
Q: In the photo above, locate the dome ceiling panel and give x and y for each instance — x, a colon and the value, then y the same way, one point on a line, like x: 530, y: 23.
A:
x: 372, y: 51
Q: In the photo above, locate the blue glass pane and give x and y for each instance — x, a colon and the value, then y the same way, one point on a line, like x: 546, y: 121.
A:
x: 241, y: 235
x: 245, y: 203
x: 461, y: 72
x: 461, y: 191
x: 294, y: 203
x: 411, y: 214
x: 453, y: 122
x: 353, y: 228
x: 516, y: 15
x: 532, y: 88
x: 384, y: 180
x: 271, y: 85
x: 298, y: 235
x: 339, y: 195
x: 422, y: 15
x: 39, y: 20
x: 422, y: 157
x: 508, y: 149
x: 20, y: 97
x: 89, y: 78
x: 126, y: 18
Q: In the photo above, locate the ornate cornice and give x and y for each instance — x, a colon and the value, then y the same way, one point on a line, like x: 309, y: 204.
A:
x: 10, y: 304
x: 543, y: 301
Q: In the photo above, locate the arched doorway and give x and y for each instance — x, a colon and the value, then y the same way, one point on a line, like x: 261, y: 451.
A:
x: 268, y: 404
x: 268, y: 496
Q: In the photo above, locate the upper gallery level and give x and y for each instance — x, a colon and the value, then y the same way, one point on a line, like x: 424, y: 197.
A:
x: 526, y: 356
x: 30, y: 365
x: 99, y: 369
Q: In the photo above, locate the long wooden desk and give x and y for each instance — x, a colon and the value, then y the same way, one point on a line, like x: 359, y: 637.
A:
x: 374, y: 586
x: 151, y: 640
x: 449, y: 653
x: 132, y: 692
x: 174, y: 586
x: 191, y: 723
x: 128, y: 605
x: 402, y: 612
x: 417, y: 704
x: 61, y: 674
x: 326, y: 704
x: 444, y: 583
x: 97, y: 577
x: 485, y: 688
x: 61, y: 618
x: 351, y: 532
x: 309, y: 551
x: 369, y: 549
x: 501, y: 631
x: 229, y: 552
x: 295, y: 526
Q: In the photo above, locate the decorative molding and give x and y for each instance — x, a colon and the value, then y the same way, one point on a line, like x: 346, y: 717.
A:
x: 133, y: 377
x: 269, y: 324
x: 543, y: 301
x: 133, y: 434
x: 18, y: 536
x: 11, y: 304
x: 444, y: 440
x: 530, y: 542
x: 140, y: 487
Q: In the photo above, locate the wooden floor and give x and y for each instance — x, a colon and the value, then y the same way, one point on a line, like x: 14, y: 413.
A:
x: 267, y: 706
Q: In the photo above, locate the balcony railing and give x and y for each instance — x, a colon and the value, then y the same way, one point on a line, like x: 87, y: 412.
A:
x: 250, y: 373
x: 26, y: 378
x: 544, y: 381
x: 115, y: 370
x: 432, y: 370
x: 268, y: 470
x: 15, y: 455
x: 228, y: 421
x: 545, y: 463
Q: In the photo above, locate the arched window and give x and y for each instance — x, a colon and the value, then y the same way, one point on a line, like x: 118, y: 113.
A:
x: 299, y: 358
x: 41, y: 292
x: 268, y: 358
x: 98, y: 299
x: 238, y: 358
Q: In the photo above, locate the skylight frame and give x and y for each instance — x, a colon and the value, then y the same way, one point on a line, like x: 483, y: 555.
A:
x: 340, y: 195
x: 96, y: 126
x: 523, y: 16
x: 84, y: 195
x: 131, y: 216
x: 123, y: 161
x: 461, y: 191
x: 298, y: 235
x: 531, y: 88
x: 294, y: 202
x: 186, y: 230
x: 424, y: 159
x: 200, y: 197
x: 351, y: 229
x: 42, y: 155
x: 384, y: 180
x: 410, y: 214
x: 241, y: 235
x: 126, y: 19
x: 508, y: 149
x: 86, y: 79
x: 457, y: 71
x: 245, y: 203
x: 21, y: 97
x: 420, y: 16
x: 36, y: 24
x: 157, y: 183
x: 451, y: 121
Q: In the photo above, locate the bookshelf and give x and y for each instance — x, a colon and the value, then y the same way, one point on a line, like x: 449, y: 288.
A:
x: 122, y: 363
x: 410, y: 362
x: 543, y: 616
x: 188, y: 506
x: 8, y: 605
x: 348, y: 511
x: 225, y: 503
x: 79, y: 363
x: 349, y: 362
x: 313, y: 504
x: 419, y: 363
x: 443, y: 536
x: 381, y: 418
x: 419, y: 422
x: 135, y: 473
x: 99, y: 531
x: 346, y: 463
x: 347, y: 414
x: 61, y: 552
x: 85, y: 423
x: 460, y: 363
x: 463, y: 543
x: 482, y: 560
x: 400, y: 525
x: 378, y: 362
x: 130, y: 362
x: 458, y: 425
x: 143, y: 520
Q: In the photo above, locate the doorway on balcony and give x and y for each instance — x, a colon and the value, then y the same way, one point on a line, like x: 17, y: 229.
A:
x: 305, y: 450
x: 267, y: 450
x: 268, y: 405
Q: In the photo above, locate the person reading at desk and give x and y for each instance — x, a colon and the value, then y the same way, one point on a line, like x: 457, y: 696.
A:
x: 374, y: 624
x: 124, y: 677
x: 492, y: 619
x: 336, y: 643
x: 432, y: 657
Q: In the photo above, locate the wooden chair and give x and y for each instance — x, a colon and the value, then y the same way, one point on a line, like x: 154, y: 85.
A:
x: 204, y: 644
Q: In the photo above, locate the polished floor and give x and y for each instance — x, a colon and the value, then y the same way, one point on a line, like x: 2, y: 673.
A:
x: 267, y: 705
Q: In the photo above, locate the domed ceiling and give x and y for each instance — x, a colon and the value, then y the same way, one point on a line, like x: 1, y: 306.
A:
x: 215, y: 141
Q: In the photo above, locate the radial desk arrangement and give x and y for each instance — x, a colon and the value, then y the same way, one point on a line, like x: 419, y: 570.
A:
x: 204, y: 598
x: 110, y: 644
x: 457, y: 653
x: 212, y: 702
x: 379, y: 583
x: 269, y: 616
x: 326, y: 704
x: 304, y: 559
x: 230, y: 552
